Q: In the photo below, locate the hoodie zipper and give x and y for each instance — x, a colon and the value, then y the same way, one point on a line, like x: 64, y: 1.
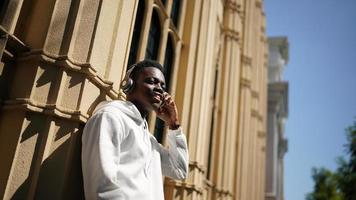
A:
x: 148, y: 144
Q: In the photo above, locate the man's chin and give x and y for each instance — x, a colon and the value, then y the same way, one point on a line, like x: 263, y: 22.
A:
x: 156, y: 106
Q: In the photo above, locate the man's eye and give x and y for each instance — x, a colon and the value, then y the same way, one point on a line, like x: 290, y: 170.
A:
x: 150, y: 81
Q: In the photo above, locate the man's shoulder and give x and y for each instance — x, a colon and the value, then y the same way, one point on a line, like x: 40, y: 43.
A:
x: 123, y: 110
x: 112, y: 108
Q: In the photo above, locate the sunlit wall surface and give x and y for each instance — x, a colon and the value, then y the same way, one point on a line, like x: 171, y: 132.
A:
x: 59, y: 59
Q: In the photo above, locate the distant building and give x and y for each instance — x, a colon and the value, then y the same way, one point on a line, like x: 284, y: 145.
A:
x: 60, y: 58
x: 277, y: 144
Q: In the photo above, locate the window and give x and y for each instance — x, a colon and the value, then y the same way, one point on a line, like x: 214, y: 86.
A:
x: 175, y: 12
x: 3, y: 4
x: 159, y: 129
x: 136, y: 33
x: 154, y: 37
x: 164, y: 2
x: 168, y: 61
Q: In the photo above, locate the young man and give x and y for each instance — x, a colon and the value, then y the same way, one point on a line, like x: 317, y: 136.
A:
x: 120, y: 158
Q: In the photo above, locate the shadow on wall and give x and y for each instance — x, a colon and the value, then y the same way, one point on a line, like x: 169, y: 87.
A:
x: 60, y: 175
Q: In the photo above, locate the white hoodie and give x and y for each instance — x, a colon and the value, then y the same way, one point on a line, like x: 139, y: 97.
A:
x: 122, y: 160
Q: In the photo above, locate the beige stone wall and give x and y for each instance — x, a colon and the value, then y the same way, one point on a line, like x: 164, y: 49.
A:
x: 60, y: 58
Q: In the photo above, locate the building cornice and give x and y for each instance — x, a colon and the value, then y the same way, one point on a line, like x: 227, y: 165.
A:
x: 282, y: 44
x: 231, y: 33
x: 255, y: 94
x: 70, y: 64
x: 245, y: 83
x: 247, y: 60
x: 233, y: 6
x: 47, y: 109
x: 261, y: 134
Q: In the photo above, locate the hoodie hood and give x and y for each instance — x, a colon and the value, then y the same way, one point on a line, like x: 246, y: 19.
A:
x: 126, y: 107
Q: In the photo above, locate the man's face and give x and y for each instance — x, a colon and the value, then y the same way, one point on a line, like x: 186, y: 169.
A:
x: 148, y: 90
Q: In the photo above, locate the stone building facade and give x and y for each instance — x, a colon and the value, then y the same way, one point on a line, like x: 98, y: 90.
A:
x: 60, y: 58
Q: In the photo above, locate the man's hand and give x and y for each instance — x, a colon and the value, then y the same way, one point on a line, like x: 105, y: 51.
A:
x: 168, y: 112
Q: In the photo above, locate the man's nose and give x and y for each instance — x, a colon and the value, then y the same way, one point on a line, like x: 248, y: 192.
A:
x: 158, y: 88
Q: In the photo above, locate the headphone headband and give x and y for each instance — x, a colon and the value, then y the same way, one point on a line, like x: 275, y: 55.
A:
x: 131, y: 68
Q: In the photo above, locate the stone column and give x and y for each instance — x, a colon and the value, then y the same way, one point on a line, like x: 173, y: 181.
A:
x: 64, y: 59
x: 244, y: 136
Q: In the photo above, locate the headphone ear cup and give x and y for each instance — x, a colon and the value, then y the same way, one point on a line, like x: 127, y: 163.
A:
x: 127, y: 85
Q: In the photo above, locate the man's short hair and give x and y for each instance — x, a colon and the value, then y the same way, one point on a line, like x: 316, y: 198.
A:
x: 143, y: 64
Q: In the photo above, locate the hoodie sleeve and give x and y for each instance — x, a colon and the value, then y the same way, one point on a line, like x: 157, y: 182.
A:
x: 101, y: 140
x: 175, y: 160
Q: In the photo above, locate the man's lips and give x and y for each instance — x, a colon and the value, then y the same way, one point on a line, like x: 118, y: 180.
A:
x: 158, y: 97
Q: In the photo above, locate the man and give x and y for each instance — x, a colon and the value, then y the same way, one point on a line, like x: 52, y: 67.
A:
x: 120, y: 158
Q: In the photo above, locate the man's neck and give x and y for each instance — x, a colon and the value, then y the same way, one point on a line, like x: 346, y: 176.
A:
x: 140, y: 108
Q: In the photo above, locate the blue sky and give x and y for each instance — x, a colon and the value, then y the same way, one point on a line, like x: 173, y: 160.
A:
x: 322, y: 83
